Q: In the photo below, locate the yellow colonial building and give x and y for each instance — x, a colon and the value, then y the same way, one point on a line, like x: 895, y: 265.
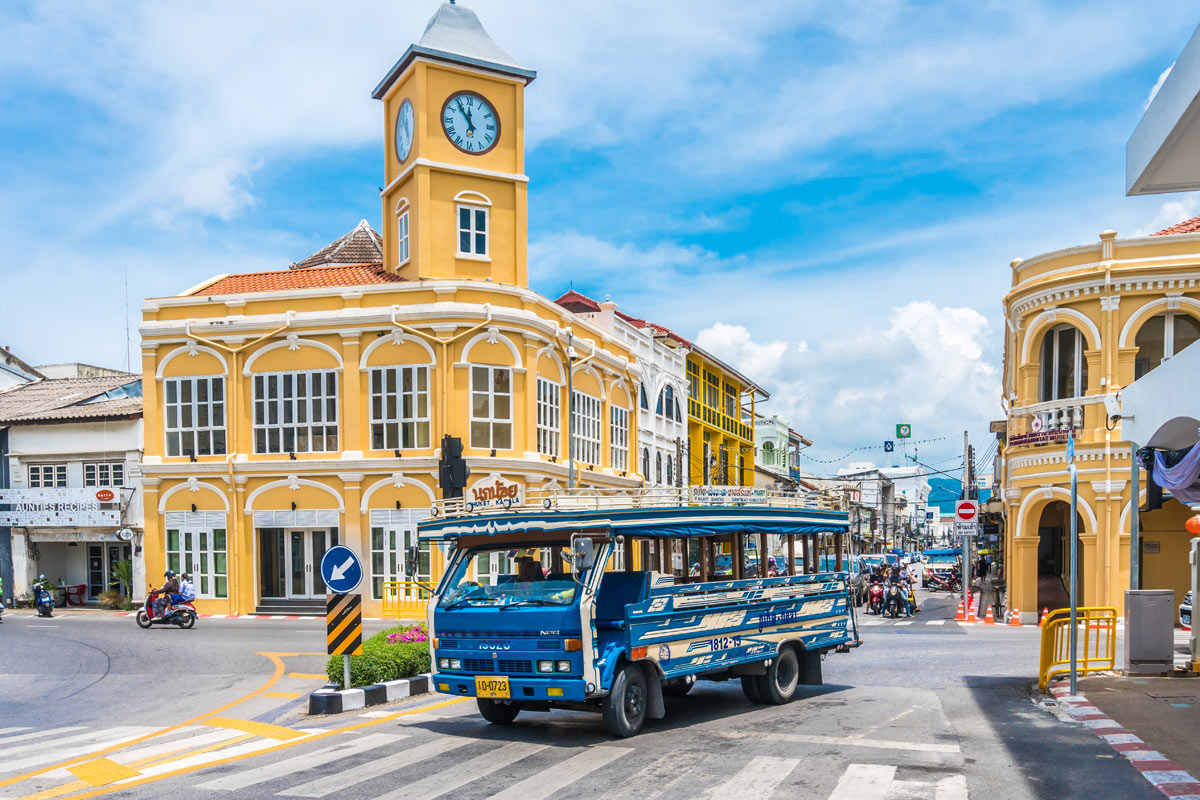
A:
x: 1082, y: 323
x: 721, y: 404
x: 290, y: 410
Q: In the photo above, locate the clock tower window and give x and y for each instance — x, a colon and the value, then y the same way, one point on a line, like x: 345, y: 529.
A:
x: 402, y: 240
x: 473, y: 226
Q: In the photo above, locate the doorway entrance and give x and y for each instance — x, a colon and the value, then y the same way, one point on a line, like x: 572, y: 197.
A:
x: 290, y: 562
x: 1054, y: 556
x: 101, y: 558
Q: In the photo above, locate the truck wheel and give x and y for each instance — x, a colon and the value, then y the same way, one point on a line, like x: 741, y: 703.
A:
x: 496, y: 712
x: 778, y: 686
x: 625, y: 707
x: 750, y: 688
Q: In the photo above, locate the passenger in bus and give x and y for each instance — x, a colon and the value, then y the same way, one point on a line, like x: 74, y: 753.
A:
x: 529, y: 570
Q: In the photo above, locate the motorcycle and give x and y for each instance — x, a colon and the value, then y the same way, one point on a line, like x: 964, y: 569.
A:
x: 949, y: 581
x: 182, y: 613
x: 895, y: 600
x: 43, y: 600
x: 875, y: 599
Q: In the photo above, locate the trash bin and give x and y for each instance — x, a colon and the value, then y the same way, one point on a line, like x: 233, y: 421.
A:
x: 1149, y: 630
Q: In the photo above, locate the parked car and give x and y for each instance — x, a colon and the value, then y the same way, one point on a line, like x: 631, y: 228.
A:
x: 1185, y: 611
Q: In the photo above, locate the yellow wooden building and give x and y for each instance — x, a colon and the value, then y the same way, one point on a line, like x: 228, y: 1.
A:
x: 1082, y: 323
x: 721, y: 404
x: 286, y: 411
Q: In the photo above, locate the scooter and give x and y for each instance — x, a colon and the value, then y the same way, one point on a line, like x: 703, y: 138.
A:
x: 948, y: 581
x: 895, y: 600
x: 43, y: 601
x: 182, y: 613
x: 875, y: 599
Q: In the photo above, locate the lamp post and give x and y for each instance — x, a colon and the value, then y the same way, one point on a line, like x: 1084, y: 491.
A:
x: 570, y: 410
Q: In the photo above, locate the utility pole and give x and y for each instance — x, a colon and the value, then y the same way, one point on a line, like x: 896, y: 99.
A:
x: 966, y: 540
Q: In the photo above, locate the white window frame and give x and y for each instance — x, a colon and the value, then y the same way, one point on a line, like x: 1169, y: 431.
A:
x: 402, y: 238
x: 283, y: 407
x: 618, y: 438
x: 491, y: 420
x: 177, y: 434
x: 1054, y: 365
x: 107, y: 474
x: 549, y: 417
x: 473, y: 231
x: 585, y: 427
x: 406, y: 405
x: 205, y: 570
x: 47, y: 476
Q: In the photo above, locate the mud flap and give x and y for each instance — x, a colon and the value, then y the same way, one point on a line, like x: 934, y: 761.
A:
x: 810, y: 668
x: 655, y: 707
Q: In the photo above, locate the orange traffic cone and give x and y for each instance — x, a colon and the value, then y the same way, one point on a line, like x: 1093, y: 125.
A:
x: 971, y: 614
x: 1014, y: 618
x: 961, y: 616
x: 1045, y: 613
x: 990, y: 619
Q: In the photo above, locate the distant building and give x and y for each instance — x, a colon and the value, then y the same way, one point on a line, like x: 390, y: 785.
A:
x: 777, y: 453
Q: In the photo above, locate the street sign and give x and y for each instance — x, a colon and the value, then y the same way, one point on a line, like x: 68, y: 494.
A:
x: 968, y: 529
x: 903, y: 431
x: 889, y: 446
x: 343, y: 624
x: 341, y: 570
x: 966, y: 511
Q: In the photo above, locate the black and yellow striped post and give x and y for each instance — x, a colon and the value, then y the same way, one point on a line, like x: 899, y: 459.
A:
x: 343, y: 628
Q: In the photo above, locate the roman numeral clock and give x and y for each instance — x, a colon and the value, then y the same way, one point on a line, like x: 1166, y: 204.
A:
x: 470, y: 122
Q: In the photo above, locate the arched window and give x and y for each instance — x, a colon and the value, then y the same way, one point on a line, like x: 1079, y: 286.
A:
x: 666, y: 403
x: 768, y: 451
x: 642, y: 397
x: 646, y: 463
x: 670, y: 472
x: 1163, y: 337
x: 1063, y: 367
x: 472, y: 209
x: 678, y: 416
x: 658, y: 468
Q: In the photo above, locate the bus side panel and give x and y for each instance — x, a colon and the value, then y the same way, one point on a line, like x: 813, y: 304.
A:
x: 709, y: 626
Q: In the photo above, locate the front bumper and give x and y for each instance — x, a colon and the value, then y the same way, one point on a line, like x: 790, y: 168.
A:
x: 521, y: 687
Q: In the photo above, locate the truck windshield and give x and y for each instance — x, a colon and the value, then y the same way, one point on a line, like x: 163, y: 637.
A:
x: 508, y: 577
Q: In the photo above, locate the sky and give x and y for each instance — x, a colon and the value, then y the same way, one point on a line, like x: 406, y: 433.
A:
x: 825, y: 194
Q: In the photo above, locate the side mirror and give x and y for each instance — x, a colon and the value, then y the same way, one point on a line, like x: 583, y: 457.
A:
x: 583, y: 553
x: 410, y: 562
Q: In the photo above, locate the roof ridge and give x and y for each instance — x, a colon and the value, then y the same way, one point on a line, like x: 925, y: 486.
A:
x: 1186, y: 226
x: 308, y: 269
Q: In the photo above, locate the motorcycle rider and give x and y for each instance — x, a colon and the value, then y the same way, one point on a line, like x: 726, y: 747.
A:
x: 900, y: 577
x: 167, y: 592
x: 187, y: 592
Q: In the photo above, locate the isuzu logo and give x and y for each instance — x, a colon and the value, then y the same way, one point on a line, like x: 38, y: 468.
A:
x: 494, y: 645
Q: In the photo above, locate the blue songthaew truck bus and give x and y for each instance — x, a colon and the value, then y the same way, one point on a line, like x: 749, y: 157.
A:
x: 602, y: 604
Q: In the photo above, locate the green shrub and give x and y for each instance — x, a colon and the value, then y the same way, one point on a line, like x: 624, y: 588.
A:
x: 382, y: 660
x: 112, y: 599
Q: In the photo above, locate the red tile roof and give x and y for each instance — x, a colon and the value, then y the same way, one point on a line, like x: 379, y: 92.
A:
x: 307, y: 278
x: 362, y: 245
x: 582, y: 304
x: 1187, y: 226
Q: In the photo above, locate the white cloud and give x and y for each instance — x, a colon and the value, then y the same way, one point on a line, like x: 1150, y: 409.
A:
x: 1157, y: 85
x: 732, y: 343
x: 1172, y: 212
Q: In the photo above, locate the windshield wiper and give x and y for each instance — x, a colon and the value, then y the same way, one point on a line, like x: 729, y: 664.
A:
x: 531, y: 601
x: 466, y: 601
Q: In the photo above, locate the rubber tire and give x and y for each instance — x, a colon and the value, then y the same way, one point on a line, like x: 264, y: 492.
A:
x: 187, y: 620
x: 497, y: 713
x: 750, y: 688
x: 895, y: 612
x: 677, y: 689
x: 143, y: 619
x: 778, y: 686
x: 624, y: 709
x: 956, y: 588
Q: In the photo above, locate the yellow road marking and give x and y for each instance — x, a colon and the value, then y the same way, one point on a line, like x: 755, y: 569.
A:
x: 102, y: 771
x: 308, y: 676
x: 285, y: 695
x: 264, y: 751
x: 256, y: 728
x: 178, y: 755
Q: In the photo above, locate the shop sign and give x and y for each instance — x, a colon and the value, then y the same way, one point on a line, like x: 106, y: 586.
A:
x: 58, y: 507
x: 495, y: 492
x: 1040, y: 437
x: 726, y: 495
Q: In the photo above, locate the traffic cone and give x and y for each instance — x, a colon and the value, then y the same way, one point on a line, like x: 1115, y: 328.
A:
x: 990, y: 619
x: 1014, y: 618
x: 971, y: 614
x: 1045, y: 613
x: 961, y: 616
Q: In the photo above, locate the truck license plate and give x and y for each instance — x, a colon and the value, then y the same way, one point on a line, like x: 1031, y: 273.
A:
x: 496, y: 688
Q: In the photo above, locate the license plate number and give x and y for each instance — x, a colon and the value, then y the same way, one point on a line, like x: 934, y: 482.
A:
x: 496, y: 688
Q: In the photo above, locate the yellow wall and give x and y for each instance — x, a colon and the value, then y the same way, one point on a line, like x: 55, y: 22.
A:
x: 709, y: 423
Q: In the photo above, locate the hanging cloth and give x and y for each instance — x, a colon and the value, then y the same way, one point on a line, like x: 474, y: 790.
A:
x: 1182, y: 477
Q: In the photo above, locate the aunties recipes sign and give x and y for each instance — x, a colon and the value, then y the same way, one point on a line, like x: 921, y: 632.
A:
x: 85, y: 508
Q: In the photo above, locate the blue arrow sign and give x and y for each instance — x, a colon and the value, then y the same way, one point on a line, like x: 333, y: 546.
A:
x: 341, y: 570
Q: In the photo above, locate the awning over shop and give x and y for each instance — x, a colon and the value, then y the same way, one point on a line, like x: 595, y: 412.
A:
x: 1161, y: 410
x: 1163, y: 154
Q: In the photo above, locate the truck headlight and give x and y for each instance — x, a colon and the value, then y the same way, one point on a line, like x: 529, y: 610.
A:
x: 545, y: 666
x: 455, y: 663
x: 443, y: 663
x: 562, y: 666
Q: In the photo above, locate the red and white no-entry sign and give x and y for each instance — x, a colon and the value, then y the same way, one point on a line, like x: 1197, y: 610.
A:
x: 966, y: 510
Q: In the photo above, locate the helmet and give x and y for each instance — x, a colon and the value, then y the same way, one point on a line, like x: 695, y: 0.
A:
x: 169, y: 573
x: 41, y: 577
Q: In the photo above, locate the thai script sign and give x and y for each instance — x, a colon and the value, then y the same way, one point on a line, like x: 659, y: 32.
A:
x: 727, y: 495
x: 56, y: 507
x: 1042, y: 437
x: 493, y: 492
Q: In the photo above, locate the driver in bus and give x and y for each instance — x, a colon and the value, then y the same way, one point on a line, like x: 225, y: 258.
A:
x: 529, y: 570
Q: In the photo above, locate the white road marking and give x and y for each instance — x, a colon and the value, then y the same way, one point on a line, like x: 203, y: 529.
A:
x: 460, y: 775
x: 201, y: 759
x: 759, y: 778
x: 905, y: 622
x: 79, y: 745
x: 181, y: 739
x: 563, y: 774
x: 864, y: 782
x: 952, y: 787
x: 374, y: 769
x: 657, y: 778
x: 7, y: 731
x: 377, y: 714
x: 936, y: 622
x: 878, y: 744
x: 888, y: 721
x: 289, y: 766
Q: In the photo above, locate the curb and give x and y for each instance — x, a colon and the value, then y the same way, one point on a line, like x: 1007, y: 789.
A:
x: 1162, y: 773
x: 335, y: 701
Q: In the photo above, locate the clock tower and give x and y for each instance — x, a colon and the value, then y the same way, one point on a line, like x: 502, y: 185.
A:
x: 455, y: 199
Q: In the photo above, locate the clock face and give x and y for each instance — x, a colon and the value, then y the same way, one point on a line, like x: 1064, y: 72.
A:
x: 405, y: 128
x: 470, y: 123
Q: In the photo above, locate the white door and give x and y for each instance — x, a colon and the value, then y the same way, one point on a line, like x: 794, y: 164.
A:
x: 305, y: 549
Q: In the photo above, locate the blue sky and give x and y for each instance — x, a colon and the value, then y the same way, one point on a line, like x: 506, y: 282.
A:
x: 826, y: 194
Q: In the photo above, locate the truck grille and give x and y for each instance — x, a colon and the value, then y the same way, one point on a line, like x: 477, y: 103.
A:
x: 504, y: 665
x: 512, y: 665
x: 477, y: 665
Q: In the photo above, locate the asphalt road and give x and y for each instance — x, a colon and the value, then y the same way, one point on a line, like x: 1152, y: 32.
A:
x: 921, y: 710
